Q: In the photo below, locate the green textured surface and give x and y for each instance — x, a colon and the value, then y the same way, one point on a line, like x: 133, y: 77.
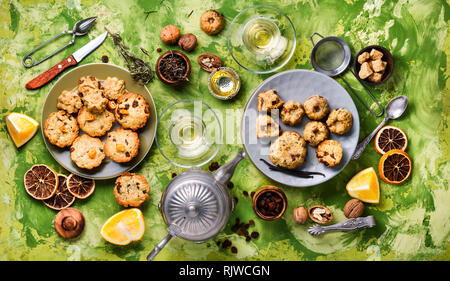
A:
x: 412, y: 219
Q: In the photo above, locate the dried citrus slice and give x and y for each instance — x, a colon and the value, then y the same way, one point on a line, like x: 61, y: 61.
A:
x: 390, y: 137
x: 395, y: 166
x: 41, y: 182
x: 124, y: 227
x: 364, y: 186
x: 21, y: 127
x: 62, y: 198
x: 80, y: 187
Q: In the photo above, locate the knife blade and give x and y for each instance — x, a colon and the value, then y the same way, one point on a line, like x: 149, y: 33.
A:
x: 73, y: 59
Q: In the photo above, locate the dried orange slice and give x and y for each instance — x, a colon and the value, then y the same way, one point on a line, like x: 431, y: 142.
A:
x: 388, y: 138
x: 21, y: 127
x: 124, y: 227
x: 395, y: 166
x: 41, y: 182
x: 62, y: 198
x: 80, y: 187
x: 365, y: 186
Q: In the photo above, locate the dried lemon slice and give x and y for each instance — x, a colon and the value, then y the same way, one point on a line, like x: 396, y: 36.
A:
x: 21, y: 127
x: 41, y: 182
x: 124, y: 227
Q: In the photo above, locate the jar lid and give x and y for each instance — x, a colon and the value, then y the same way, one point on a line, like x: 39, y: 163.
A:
x: 193, y: 202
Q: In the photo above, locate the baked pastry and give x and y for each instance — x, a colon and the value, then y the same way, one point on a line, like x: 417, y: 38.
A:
x: 87, y: 85
x: 288, y: 150
x: 132, y: 111
x: 95, y: 101
x: 61, y: 128
x: 122, y: 145
x: 269, y: 100
x: 131, y: 189
x: 87, y: 152
x: 329, y: 153
x: 266, y: 127
x: 316, y: 107
x: 113, y: 88
x: 69, y: 101
x: 340, y: 121
x: 292, y: 113
x: 95, y: 124
x: 212, y: 22
x: 315, y: 132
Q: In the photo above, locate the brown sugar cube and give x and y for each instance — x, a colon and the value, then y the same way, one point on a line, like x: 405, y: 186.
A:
x: 375, y: 54
x: 365, y: 70
x: 375, y: 77
x: 363, y: 57
x: 378, y: 65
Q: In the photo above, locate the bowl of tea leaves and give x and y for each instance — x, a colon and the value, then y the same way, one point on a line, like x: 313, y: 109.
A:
x: 173, y: 67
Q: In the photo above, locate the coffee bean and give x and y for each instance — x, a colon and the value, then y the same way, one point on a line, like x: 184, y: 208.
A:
x: 254, y: 234
x: 105, y: 59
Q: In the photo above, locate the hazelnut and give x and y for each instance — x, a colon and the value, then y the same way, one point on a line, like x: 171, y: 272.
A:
x: 212, y: 22
x: 300, y: 215
x: 170, y: 34
x: 320, y: 214
x: 188, y: 42
x: 354, y: 208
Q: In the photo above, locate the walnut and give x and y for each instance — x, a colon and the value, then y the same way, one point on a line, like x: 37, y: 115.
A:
x: 188, y: 42
x: 170, y: 34
x: 354, y: 208
x: 209, y: 62
x: 212, y: 22
x: 300, y: 216
x: 320, y: 214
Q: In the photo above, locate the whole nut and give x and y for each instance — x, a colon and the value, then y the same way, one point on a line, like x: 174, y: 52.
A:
x: 354, y: 208
x: 212, y: 22
x: 170, y: 34
x: 300, y: 215
x: 188, y: 42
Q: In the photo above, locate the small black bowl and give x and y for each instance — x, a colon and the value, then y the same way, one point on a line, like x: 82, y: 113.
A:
x: 387, y: 57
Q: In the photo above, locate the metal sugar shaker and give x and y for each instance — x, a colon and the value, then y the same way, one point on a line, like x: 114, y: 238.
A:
x: 196, y: 205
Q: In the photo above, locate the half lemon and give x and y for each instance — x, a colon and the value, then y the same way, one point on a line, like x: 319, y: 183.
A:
x: 124, y: 227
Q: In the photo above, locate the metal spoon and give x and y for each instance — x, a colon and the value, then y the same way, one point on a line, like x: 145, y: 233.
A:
x: 80, y: 28
x: 394, y: 109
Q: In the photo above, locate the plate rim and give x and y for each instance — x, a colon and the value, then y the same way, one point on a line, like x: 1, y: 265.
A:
x: 255, y: 92
x: 76, y: 172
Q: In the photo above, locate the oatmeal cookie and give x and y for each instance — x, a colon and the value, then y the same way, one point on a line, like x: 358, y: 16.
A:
x: 329, y: 153
x: 87, y: 152
x: 315, y: 132
x: 266, y: 127
x: 340, y: 121
x: 212, y: 22
x: 69, y: 101
x: 122, y: 145
x: 132, y: 111
x: 61, y: 128
x: 95, y: 101
x: 113, y: 88
x: 131, y: 189
x: 288, y: 151
x: 269, y: 100
x: 95, y: 124
x: 316, y: 107
x: 292, y: 113
x: 87, y: 85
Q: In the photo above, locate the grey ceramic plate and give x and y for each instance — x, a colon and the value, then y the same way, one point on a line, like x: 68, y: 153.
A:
x: 298, y: 85
x: 108, y: 169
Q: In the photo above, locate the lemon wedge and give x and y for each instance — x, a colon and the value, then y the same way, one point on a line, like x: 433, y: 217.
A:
x: 124, y: 227
x: 21, y: 127
x: 365, y: 186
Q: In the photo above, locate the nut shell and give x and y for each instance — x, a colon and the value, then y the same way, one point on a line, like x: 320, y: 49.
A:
x: 300, y: 215
x: 187, y: 42
x: 354, y: 208
x: 209, y: 62
x: 212, y: 22
x: 326, y: 217
x: 170, y: 34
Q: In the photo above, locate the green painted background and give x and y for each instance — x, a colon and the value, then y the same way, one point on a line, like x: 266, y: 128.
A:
x: 412, y: 219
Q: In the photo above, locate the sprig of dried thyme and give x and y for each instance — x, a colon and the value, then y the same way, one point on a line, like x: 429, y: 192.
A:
x: 139, y: 69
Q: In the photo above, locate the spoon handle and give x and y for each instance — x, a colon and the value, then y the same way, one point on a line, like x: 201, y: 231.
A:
x: 362, y: 145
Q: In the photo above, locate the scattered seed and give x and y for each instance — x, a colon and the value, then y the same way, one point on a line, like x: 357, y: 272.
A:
x: 105, y: 59
x: 159, y: 50
x: 234, y: 250
x: 174, y: 175
x: 230, y: 185
x: 214, y: 166
x: 254, y: 234
x: 245, y: 193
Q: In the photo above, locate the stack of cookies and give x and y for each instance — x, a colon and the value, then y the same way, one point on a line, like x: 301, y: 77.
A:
x: 289, y: 149
x: 92, y: 107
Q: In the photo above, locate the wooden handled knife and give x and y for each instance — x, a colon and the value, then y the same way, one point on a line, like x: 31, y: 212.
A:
x: 74, y: 59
